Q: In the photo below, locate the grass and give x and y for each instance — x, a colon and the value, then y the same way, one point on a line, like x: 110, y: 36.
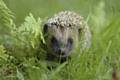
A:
x: 100, y: 62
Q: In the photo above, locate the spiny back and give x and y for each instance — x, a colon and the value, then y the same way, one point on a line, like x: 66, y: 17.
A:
x: 66, y: 19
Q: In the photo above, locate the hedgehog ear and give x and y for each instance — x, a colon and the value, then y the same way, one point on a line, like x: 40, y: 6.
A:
x: 45, y: 28
x: 79, y: 32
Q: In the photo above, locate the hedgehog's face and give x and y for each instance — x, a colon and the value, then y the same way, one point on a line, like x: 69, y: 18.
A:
x: 60, y: 40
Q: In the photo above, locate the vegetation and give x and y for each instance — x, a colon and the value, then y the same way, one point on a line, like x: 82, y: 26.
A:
x: 22, y: 57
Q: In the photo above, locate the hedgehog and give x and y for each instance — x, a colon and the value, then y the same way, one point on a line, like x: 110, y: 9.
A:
x: 64, y: 32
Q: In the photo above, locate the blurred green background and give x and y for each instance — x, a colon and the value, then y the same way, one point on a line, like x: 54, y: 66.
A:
x: 99, y: 63
x: 45, y: 8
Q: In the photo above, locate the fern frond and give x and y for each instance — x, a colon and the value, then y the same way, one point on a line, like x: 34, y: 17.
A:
x: 26, y: 39
x: 6, y: 16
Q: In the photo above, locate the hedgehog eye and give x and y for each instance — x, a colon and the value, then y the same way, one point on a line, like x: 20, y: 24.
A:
x: 54, y: 41
x: 70, y: 42
x: 45, y: 29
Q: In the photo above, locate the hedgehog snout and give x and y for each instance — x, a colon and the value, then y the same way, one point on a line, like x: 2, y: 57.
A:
x: 60, y: 48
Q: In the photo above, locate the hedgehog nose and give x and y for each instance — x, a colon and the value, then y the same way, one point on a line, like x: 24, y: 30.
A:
x: 61, y: 51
